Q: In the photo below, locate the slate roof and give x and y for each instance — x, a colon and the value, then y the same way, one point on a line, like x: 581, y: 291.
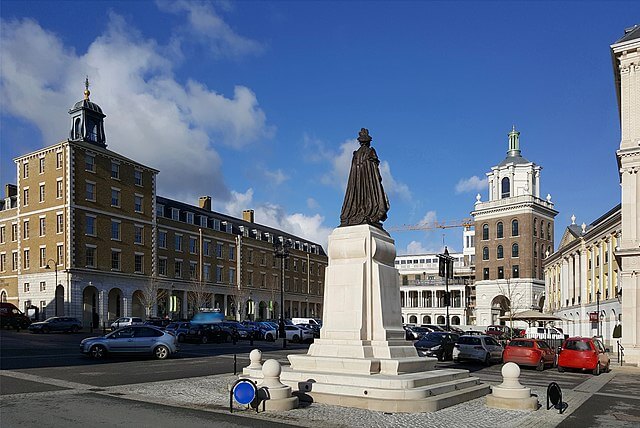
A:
x: 513, y: 159
x: 630, y: 34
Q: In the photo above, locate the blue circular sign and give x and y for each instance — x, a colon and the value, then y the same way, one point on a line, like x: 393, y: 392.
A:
x: 244, y: 391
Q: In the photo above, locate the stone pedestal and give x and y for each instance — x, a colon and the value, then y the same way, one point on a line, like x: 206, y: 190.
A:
x: 362, y: 358
x: 510, y: 394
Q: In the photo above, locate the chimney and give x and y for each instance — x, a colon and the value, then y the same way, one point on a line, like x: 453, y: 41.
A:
x: 10, y: 190
x: 205, y: 202
x: 248, y: 215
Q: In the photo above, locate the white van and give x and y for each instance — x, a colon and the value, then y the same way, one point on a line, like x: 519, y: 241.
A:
x: 311, y: 321
x: 544, y: 333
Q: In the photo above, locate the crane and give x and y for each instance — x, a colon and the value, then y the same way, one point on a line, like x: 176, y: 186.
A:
x: 466, y: 223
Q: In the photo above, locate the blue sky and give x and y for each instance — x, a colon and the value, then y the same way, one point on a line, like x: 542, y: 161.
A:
x: 258, y: 104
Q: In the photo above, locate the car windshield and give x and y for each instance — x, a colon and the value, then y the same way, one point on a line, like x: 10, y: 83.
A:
x: 521, y: 343
x: 52, y: 319
x: 432, y: 337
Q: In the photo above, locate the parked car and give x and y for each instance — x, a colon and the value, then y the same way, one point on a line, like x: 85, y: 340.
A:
x: 161, y: 323
x: 64, y: 324
x: 12, y: 317
x: 312, y: 321
x: 297, y: 334
x: 237, y: 328
x: 433, y: 327
x: 583, y: 353
x: 205, y: 333
x: 481, y: 348
x: 133, y: 339
x: 544, y: 333
x: 178, y: 329
x: 529, y: 352
x: 263, y: 330
x: 125, y: 321
x: 499, y: 332
x: 314, y: 328
x: 437, y: 344
x: 413, y: 332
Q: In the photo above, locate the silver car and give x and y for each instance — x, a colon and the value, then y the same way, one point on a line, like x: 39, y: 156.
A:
x: 133, y: 339
x: 480, y: 348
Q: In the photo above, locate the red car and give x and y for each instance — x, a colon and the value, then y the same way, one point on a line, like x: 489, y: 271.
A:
x: 583, y: 353
x: 529, y: 352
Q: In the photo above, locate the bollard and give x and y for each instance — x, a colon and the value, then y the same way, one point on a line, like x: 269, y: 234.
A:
x: 235, y: 364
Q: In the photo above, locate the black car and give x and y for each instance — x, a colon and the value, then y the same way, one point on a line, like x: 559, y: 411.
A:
x: 160, y: 323
x: 437, y: 344
x: 66, y: 324
x: 205, y: 333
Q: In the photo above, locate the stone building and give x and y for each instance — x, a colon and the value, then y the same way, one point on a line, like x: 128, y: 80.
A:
x: 83, y: 233
x: 513, y: 232
x: 582, y: 278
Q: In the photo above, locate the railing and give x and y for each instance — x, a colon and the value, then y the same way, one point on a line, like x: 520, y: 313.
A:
x: 620, y: 352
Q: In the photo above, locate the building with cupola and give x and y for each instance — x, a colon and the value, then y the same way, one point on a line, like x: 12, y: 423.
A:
x: 83, y: 233
x: 513, y: 234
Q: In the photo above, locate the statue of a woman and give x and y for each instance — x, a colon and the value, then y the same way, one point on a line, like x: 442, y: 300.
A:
x: 365, y: 201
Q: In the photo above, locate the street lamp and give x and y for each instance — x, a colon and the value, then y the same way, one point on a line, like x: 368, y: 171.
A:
x: 281, y: 251
x: 55, y: 268
x: 598, y: 309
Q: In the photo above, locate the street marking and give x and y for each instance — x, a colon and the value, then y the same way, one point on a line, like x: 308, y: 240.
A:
x: 46, y: 380
x: 608, y: 394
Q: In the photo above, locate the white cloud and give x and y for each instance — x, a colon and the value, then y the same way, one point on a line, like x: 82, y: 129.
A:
x: 471, y: 184
x: 276, y: 177
x: 208, y: 28
x: 151, y: 117
x: 429, y: 219
x: 312, y: 204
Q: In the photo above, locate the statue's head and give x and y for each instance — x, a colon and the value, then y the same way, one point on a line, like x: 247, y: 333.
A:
x: 364, y: 137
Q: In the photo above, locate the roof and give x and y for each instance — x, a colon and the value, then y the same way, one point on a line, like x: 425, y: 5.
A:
x: 630, y: 33
x: 513, y: 159
x: 89, y: 105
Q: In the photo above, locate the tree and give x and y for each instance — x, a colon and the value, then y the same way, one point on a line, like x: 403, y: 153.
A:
x: 151, y: 294
x: 515, y: 295
x: 198, y: 295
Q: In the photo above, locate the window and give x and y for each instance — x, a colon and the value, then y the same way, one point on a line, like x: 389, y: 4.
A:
x: 232, y: 276
x: 14, y: 232
x: 178, y: 269
x: 219, y: 251
x: 175, y: 214
x: 115, y: 197
x: 162, y: 267
x: 90, y: 257
x: 2, y: 234
x: 59, y: 189
x: 203, y: 221
x: 506, y: 187
x: 485, y: 232
x: 137, y: 177
x: 249, y: 278
x: 485, y: 253
x: 3, y: 262
x: 115, y: 260
x: 207, y: 272
x: 500, y: 272
x: 485, y: 273
x: 206, y: 247
x: 549, y: 231
x: 115, y: 230
x: 193, y: 245
x: 514, y: 228
x: 137, y: 203
x: 115, y: 170
x: 535, y: 227
x: 535, y: 250
x: 14, y: 260
x: 91, y: 191
x: 263, y: 280
x: 138, y: 234
x: 542, y: 229
x: 193, y: 270
x: 178, y: 242
x: 25, y: 196
x: 26, y: 287
x: 190, y: 218
x: 25, y: 229
x: 515, y: 250
x: 515, y: 271
x: 43, y: 226
x: 60, y: 254
x: 138, y: 263
x: 25, y: 170
x: 43, y: 256
x: 41, y: 165
x: 90, y: 225
x: 42, y: 193
x: 58, y: 160
x: 90, y: 163
x: 499, y: 230
x: 219, y: 273
x: 160, y: 210
x: 162, y: 239
x: 500, y: 252
x: 232, y: 252
x: 295, y: 265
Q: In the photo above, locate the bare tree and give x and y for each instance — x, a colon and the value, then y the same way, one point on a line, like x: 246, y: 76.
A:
x: 198, y: 295
x: 151, y: 294
x: 515, y: 294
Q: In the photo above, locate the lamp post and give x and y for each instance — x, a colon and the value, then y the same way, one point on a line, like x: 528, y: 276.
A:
x: 598, y: 309
x: 445, y: 269
x: 55, y: 268
x: 281, y: 251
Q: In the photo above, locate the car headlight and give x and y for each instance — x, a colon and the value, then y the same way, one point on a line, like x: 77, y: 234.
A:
x: 435, y: 348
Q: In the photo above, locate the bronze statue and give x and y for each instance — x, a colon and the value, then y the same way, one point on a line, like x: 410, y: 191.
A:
x: 365, y: 201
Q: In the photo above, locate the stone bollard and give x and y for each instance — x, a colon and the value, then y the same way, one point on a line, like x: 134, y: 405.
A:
x: 510, y: 394
x: 274, y: 394
x: 254, y: 369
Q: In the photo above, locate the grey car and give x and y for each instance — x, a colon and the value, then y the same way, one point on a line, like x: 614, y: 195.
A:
x: 66, y: 324
x: 132, y: 340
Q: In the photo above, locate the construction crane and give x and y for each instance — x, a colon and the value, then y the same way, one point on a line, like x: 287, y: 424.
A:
x: 466, y: 223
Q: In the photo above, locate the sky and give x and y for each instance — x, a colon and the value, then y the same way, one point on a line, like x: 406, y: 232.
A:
x: 259, y: 103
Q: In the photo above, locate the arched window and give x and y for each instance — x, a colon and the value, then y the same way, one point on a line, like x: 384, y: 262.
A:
x: 542, y: 229
x: 499, y: 230
x: 500, y: 252
x: 515, y: 250
x: 549, y: 250
x: 535, y: 227
x: 535, y: 250
x: 3, y: 297
x: 485, y: 232
x: 506, y: 188
x: 485, y: 253
x: 514, y: 228
x: 77, y: 131
x: 549, y: 231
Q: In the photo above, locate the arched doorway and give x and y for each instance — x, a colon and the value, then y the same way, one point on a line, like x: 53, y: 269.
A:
x: 3, y: 296
x: 59, y: 305
x: 114, y: 310
x: 413, y: 319
x: 426, y: 319
x: 499, y: 307
x: 275, y: 311
x: 90, y: 311
x: 137, y: 305
x: 441, y: 320
x: 262, y: 310
x: 455, y: 320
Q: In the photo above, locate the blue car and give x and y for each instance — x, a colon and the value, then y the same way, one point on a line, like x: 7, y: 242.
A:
x: 135, y: 339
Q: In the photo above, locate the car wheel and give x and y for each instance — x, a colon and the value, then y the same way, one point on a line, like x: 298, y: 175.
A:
x: 74, y: 329
x: 560, y: 369
x: 269, y: 337
x: 487, y: 359
x: 161, y: 352
x: 204, y: 340
x: 295, y: 338
x: 98, y: 352
x: 540, y: 366
x: 596, y: 371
